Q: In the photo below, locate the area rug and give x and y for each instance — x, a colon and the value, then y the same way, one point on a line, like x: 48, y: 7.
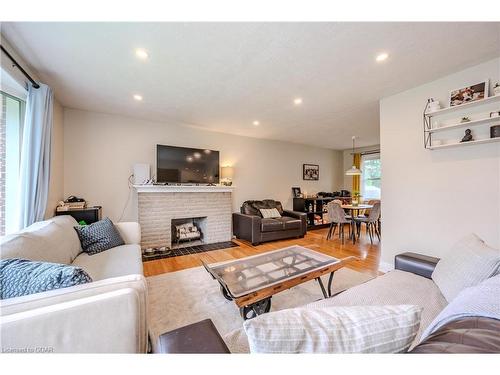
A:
x: 180, y: 298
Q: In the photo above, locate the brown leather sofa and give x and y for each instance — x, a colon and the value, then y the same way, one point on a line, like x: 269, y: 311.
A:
x: 251, y: 226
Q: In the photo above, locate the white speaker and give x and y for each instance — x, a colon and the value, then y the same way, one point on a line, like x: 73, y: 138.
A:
x: 141, y: 173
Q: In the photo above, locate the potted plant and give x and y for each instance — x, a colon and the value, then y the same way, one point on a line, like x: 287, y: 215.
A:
x: 356, y: 197
x: 496, y: 88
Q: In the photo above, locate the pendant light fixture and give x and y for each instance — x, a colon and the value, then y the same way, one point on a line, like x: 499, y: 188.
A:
x: 353, y: 171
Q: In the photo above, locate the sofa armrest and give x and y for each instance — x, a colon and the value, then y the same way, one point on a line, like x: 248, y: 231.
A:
x: 130, y: 232
x: 302, y: 216
x: 103, y: 316
x: 247, y: 227
x: 418, y: 264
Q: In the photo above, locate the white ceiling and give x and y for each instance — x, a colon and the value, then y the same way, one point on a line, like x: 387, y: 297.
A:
x: 223, y: 76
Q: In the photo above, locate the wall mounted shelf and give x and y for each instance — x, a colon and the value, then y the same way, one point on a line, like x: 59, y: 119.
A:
x: 463, y: 124
x: 442, y: 111
x: 452, y: 145
x: 430, y: 127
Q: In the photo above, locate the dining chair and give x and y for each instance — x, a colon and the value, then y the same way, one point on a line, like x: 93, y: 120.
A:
x: 371, y: 222
x: 337, y: 217
x: 340, y: 203
x: 366, y: 213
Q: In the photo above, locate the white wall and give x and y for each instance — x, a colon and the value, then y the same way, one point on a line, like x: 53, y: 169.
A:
x: 56, y: 183
x: 100, y: 149
x: 432, y: 198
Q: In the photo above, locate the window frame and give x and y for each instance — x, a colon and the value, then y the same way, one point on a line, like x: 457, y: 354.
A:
x: 364, y: 158
x: 21, y: 115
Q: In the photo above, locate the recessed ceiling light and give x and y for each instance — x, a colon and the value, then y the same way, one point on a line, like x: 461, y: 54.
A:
x: 256, y: 123
x: 141, y: 53
x: 382, y: 57
x: 297, y: 101
x: 138, y: 97
x: 197, y: 155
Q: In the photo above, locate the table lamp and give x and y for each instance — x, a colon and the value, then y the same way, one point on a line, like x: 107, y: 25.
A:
x: 227, y: 174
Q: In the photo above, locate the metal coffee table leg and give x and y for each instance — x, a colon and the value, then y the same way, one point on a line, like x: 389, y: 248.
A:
x: 326, y: 293
x: 255, y: 309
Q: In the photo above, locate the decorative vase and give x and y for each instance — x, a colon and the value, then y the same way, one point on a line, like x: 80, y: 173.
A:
x: 434, y: 106
x: 355, y: 201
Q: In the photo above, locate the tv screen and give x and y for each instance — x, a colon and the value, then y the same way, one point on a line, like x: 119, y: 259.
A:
x: 186, y: 165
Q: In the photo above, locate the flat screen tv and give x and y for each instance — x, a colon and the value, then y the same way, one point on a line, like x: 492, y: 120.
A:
x: 186, y: 165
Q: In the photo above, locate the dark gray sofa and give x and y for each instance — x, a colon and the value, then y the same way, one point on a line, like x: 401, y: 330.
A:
x: 250, y: 226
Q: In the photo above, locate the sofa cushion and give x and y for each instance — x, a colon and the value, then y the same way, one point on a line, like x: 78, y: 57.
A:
x: 99, y: 236
x: 469, y: 262
x: 282, y: 223
x: 290, y: 222
x: 253, y: 207
x: 271, y: 225
x: 394, y: 288
x: 118, y: 261
x: 52, y: 240
x: 20, y: 277
x: 354, y: 329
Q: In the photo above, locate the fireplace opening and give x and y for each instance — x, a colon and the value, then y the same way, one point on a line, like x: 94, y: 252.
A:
x: 188, y: 232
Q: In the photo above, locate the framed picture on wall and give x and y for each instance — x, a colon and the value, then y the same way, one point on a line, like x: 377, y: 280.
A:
x: 469, y: 93
x: 310, y: 172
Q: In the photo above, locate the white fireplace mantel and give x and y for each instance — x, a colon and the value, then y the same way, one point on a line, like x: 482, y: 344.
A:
x: 182, y: 189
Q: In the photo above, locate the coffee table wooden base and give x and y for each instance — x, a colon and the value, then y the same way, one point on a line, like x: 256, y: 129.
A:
x: 259, y: 302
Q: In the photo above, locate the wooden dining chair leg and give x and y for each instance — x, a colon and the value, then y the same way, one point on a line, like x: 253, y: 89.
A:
x: 328, y: 235
x: 341, y: 230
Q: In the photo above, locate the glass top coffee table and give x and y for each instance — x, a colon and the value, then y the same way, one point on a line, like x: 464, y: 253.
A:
x: 252, y: 281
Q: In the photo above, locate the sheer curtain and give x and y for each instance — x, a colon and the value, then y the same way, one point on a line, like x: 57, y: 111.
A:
x: 34, y: 172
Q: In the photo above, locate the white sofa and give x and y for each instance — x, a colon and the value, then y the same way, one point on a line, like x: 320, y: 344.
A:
x: 107, y: 315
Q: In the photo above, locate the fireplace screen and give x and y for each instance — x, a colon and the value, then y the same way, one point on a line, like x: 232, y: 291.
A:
x: 187, y: 231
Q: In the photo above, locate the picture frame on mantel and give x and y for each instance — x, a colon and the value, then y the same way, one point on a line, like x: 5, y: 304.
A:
x: 310, y: 172
x: 296, y: 192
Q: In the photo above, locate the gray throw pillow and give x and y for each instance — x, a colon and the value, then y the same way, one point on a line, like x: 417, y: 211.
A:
x: 99, y: 236
x: 20, y: 277
x: 469, y: 262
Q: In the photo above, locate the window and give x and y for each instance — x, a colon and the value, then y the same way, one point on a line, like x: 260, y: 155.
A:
x: 11, y: 120
x: 371, y: 176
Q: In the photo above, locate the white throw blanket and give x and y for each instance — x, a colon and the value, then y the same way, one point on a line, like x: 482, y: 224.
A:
x: 480, y: 300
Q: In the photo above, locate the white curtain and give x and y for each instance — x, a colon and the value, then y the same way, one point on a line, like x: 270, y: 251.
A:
x: 35, y: 156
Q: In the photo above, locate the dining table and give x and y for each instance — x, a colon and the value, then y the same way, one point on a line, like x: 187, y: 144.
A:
x: 354, y: 212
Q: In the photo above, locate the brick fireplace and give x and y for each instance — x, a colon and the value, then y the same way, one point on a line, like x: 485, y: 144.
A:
x: 158, y: 206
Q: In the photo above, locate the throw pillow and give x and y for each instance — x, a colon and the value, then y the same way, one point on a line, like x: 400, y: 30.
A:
x: 270, y: 213
x: 468, y: 263
x: 482, y: 300
x: 20, y: 277
x: 336, y: 329
x: 99, y: 236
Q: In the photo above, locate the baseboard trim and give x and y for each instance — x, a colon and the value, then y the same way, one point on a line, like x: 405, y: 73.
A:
x: 385, y: 267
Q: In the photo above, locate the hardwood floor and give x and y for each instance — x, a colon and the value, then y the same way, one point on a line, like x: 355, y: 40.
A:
x: 368, y: 254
